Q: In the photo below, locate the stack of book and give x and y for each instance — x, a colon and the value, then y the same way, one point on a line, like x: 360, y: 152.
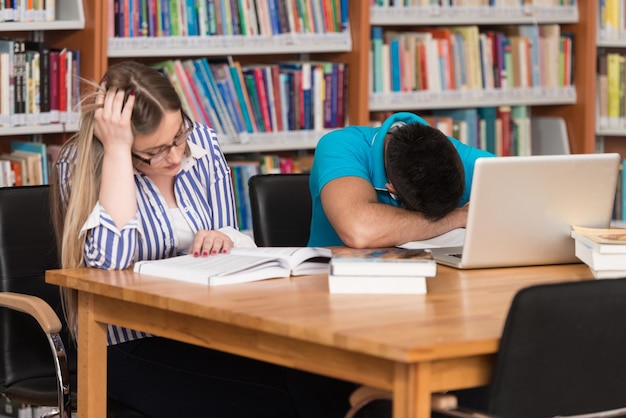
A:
x: 602, y: 249
x: 387, y: 270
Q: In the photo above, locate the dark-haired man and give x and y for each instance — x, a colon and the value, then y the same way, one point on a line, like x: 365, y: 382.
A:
x: 381, y: 187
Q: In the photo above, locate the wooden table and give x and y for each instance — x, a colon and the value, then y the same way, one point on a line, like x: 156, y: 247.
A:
x: 409, y: 344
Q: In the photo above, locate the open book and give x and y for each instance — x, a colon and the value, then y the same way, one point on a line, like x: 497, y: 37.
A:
x: 240, y: 265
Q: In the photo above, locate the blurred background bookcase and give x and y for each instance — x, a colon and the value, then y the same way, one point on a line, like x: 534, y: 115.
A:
x: 91, y: 37
x: 62, y: 28
x: 611, y: 81
x: 574, y: 104
x: 85, y: 27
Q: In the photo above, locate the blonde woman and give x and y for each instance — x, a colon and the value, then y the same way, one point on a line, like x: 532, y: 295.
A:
x: 139, y: 181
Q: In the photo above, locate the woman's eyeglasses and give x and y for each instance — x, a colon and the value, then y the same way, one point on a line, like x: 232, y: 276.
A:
x: 162, y: 152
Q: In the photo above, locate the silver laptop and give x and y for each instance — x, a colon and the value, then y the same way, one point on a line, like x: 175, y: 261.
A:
x: 522, y: 208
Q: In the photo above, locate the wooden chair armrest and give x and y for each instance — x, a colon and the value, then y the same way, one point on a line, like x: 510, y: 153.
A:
x: 36, y: 307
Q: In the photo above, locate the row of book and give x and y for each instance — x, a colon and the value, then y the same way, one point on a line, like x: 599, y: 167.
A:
x: 602, y: 249
x: 236, y: 99
x: 157, y: 18
x: 466, y: 58
x: 27, y: 164
x: 471, y: 3
x: 611, y: 90
x: 611, y: 19
x: 502, y: 130
x: 28, y: 11
x: 39, y: 85
x: 243, y: 169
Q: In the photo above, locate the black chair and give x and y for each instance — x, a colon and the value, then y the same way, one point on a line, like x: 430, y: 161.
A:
x: 281, y: 209
x: 562, y: 351
x: 561, y: 355
x: 37, y: 357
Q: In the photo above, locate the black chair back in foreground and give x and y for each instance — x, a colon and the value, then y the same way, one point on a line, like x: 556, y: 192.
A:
x: 281, y: 209
x: 37, y: 357
x: 562, y: 351
x: 561, y: 355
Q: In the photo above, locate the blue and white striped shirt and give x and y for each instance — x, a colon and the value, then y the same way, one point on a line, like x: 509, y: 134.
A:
x: 204, y: 193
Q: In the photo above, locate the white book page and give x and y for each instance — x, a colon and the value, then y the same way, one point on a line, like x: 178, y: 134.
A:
x: 454, y: 238
x: 293, y: 256
x: 215, y: 265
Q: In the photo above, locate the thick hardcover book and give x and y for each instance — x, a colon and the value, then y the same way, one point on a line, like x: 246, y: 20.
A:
x: 600, y: 261
x: 382, y: 262
x: 54, y: 86
x: 377, y: 284
x: 62, y: 83
x: 19, y: 64
x: 240, y: 265
x: 601, y: 240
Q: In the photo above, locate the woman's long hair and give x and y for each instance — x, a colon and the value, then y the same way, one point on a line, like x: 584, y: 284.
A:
x: 154, y: 94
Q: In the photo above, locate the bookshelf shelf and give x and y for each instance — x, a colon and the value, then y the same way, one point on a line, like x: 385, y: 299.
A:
x: 617, y: 131
x: 42, y: 26
x: 302, y: 140
x: 389, y: 16
x: 56, y: 128
x: 613, y: 43
x: 178, y: 46
x: 69, y: 15
x: 465, y: 99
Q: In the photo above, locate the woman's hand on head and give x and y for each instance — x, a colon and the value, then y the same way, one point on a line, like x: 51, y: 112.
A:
x: 112, y: 122
x: 207, y: 243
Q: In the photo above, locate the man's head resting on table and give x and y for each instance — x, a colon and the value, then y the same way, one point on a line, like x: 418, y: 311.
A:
x: 424, y: 170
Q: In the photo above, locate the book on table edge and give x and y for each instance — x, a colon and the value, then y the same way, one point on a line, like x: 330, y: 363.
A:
x: 240, y: 265
x: 339, y: 284
x: 608, y: 274
x: 382, y: 262
x: 601, y: 240
x: 598, y: 261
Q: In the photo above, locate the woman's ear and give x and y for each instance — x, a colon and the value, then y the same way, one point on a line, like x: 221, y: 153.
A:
x: 390, y: 188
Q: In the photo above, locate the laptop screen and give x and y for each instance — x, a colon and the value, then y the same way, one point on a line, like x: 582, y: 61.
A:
x: 522, y: 208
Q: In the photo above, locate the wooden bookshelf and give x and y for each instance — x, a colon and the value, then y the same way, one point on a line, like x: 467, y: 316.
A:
x: 580, y: 116
x: 611, y: 139
x: 69, y: 21
x: 576, y: 104
x: 94, y: 44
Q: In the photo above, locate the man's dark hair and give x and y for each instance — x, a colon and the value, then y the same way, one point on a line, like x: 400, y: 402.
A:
x: 424, y: 167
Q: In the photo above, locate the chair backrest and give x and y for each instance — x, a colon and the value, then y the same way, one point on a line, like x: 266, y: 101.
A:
x: 281, y: 209
x: 27, y: 250
x: 562, y: 351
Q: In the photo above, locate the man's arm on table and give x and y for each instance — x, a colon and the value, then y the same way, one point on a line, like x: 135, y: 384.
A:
x: 361, y: 222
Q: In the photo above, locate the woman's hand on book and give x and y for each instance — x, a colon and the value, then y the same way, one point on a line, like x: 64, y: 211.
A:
x: 207, y: 243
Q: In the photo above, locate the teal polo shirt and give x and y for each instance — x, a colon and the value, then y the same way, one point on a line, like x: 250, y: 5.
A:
x: 358, y: 151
